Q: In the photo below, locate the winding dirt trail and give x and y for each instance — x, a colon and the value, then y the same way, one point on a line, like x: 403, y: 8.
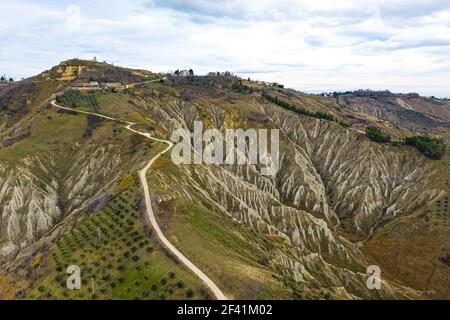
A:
x: 148, y: 203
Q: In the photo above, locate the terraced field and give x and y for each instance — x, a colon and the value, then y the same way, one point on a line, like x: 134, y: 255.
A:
x: 75, y: 99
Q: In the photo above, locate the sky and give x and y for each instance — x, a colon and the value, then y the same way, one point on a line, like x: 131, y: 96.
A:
x: 313, y: 46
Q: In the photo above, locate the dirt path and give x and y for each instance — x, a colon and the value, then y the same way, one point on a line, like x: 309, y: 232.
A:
x: 148, y: 203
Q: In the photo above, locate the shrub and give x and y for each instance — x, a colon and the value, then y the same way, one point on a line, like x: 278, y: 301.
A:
x: 375, y: 134
x: 241, y: 88
x: 205, y: 293
x: 189, y: 293
x: 430, y: 147
x: 106, y: 277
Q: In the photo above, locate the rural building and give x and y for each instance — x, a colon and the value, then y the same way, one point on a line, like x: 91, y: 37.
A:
x: 113, y: 85
x: 86, y: 86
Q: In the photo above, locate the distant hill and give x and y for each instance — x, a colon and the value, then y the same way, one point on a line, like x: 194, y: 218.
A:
x: 410, y: 111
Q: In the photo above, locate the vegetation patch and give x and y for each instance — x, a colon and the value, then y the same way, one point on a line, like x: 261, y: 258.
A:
x: 74, y: 99
x: 431, y: 147
x: 117, y: 258
x: 292, y: 107
x: 375, y: 134
x: 239, y: 87
x: 125, y: 183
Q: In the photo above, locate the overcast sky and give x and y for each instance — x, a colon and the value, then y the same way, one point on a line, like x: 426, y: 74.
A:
x: 314, y: 45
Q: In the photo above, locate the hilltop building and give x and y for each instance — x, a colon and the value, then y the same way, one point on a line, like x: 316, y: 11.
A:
x: 114, y: 85
x: 92, y: 86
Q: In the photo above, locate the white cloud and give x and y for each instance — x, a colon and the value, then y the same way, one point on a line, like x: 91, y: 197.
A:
x: 311, y: 45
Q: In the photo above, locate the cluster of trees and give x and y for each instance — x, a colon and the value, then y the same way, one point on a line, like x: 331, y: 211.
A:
x: 3, y: 78
x: 184, y: 73
x: 335, y: 94
x: 221, y: 74
x: 14, y: 97
x: 238, y: 86
x: 362, y: 93
x: 375, y: 134
x: 299, y: 110
x: 278, y: 85
x: 430, y: 147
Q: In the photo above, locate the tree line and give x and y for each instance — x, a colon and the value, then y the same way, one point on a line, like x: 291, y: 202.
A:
x: 292, y: 107
x: 433, y: 148
x: 430, y: 147
x: 3, y: 78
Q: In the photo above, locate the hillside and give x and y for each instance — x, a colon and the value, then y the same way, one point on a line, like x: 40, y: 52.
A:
x: 407, y: 111
x: 69, y: 192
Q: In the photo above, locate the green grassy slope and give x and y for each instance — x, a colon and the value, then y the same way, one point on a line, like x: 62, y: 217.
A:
x: 118, y: 256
